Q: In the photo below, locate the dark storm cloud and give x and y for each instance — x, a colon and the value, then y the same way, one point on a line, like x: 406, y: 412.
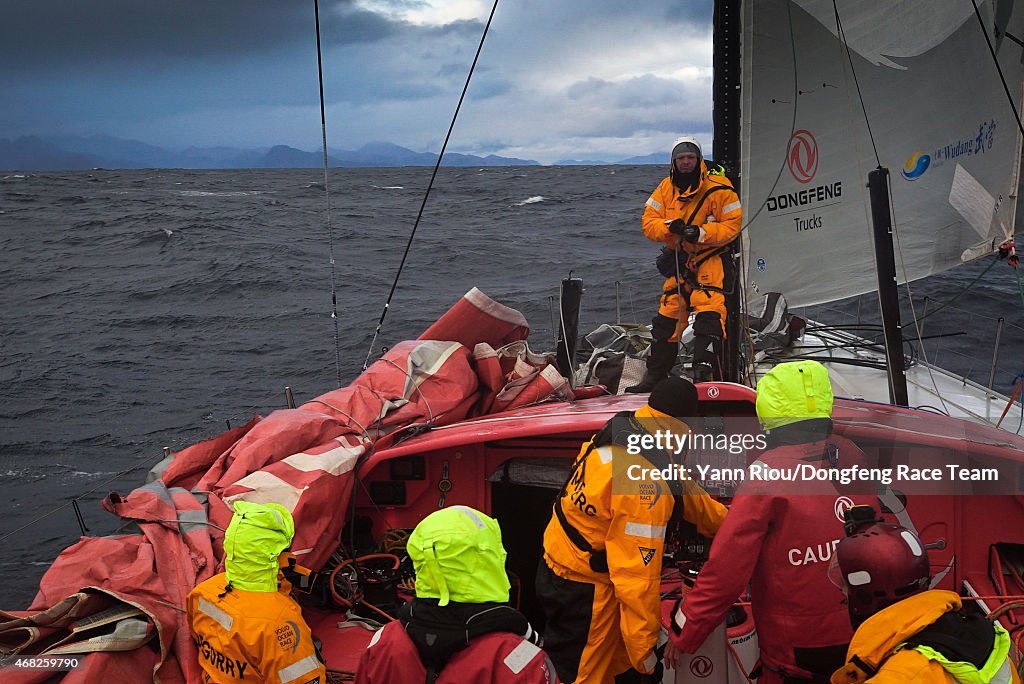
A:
x: 215, y: 72
x: 44, y: 33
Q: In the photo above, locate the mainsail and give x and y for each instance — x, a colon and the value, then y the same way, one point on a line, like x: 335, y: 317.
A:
x: 934, y: 112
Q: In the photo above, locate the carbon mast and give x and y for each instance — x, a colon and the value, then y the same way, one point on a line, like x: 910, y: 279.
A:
x: 726, y: 150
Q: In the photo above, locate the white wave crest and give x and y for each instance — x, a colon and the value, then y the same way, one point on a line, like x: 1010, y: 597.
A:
x: 531, y: 200
x: 224, y: 193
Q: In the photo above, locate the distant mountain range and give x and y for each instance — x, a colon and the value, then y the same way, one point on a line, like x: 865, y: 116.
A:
x: 73, y: 153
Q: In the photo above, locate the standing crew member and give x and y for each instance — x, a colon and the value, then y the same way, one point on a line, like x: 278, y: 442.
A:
x: 696, y: 213
x: 907, y: 633
x: 459, y: 627
x: 779, y: 537
x: 246, y: 626
x: 600, y: 577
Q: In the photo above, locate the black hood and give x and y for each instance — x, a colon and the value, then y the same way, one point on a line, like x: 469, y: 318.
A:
x: 441, y: 631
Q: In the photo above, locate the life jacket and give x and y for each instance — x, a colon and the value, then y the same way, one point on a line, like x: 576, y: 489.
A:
x: 967, y: 646
x: 928, y: 637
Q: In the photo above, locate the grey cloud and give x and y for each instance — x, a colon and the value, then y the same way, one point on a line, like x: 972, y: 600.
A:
x: 159, y: 68
x: 644, y: 91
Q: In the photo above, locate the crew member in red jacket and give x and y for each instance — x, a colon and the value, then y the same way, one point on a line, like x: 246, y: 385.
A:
x: 779, y: 537
x: 459, y: 627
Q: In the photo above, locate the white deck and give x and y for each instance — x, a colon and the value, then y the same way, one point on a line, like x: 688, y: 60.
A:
x: 928, y: 387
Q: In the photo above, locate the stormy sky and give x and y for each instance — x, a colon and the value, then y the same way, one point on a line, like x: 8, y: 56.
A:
x: 557, y: 79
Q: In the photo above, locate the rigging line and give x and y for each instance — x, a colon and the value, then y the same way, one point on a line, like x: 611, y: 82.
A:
x: 433, y: 175
x: 899, y: 248
x: 327, y: 197
x: 999, y: 69
x: 856, y: 83
x: 958, y: 294
x: 910, y: 297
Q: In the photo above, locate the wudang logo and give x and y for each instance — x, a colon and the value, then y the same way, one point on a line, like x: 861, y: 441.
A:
x: 915, y: 166
x: 967, y: 146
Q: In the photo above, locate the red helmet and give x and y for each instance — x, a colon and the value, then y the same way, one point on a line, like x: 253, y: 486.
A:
x: 878, y: 565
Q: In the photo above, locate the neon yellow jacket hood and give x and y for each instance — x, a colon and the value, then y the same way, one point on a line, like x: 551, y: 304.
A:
x: 256, y: 536
x: 792, y: 392
x: 458, y: 556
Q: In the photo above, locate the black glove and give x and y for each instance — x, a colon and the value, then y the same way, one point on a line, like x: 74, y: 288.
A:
x: 655, y: 677
x: 681, y: 228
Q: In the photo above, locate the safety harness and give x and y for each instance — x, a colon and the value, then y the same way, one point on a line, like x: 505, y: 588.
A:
x: 615, y: 432
x: 690, y: 268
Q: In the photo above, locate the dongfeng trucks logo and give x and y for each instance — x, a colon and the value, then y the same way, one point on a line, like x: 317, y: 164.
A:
x: 840, y: 506
x: 802, y: 156
x: 915, y: 166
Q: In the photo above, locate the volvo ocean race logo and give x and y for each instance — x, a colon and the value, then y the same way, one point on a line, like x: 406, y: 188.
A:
x: 802, y: 156
x: 915, y: 166
x: 802, y: 159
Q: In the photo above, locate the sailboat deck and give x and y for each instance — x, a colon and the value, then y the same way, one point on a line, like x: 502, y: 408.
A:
x: 929, y: 387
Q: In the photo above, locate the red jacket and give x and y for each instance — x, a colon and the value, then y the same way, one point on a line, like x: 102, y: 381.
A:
x: 494, y: 658
x: 780, y: 539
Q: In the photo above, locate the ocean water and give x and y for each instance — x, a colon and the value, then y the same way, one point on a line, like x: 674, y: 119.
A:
x: 144, y: 309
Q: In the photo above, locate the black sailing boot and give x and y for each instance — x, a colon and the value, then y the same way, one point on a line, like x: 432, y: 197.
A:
x: 707, y: 346
x: 659, y: 363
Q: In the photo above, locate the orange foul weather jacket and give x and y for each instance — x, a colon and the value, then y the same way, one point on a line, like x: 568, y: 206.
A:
x: 883, y: 650
x: 714, y: 207
x: 247, y: 636
x: 625, y: 522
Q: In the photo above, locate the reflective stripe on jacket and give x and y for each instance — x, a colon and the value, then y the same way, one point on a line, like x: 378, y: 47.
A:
x: 246, y: 636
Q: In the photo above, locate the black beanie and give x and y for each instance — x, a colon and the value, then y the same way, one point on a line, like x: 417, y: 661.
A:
x: 675, y: 396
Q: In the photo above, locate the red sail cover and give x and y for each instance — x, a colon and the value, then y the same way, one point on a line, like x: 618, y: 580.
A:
x: 103, y: 598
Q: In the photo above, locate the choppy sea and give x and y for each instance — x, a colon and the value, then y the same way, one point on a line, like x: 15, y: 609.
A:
x: 144, y: 309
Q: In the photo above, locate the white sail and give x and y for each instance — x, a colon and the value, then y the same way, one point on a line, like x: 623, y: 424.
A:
x: 940, y: 121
